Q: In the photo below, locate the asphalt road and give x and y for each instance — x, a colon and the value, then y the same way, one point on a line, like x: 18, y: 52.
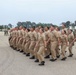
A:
x: 15, y: 63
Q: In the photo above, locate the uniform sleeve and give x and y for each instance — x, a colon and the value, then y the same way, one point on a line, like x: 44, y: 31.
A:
x: 59, y: 34
x: 48, y: 35
x: 45, y: 36
x: 66, y: 38
x: 34, y: 34
x: 22, y: 33
x: 72, y: 36
x: 66, y: 30
x: 19, y: 33
x: 56, y: 34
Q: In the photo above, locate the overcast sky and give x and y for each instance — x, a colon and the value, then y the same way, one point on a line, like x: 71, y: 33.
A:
x: 45, y: 11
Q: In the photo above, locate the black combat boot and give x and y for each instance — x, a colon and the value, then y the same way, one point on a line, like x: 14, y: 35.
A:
x: 42, y: 63
x: 36, y: 60
x: 58, y: 56
x: 63, y: 59
x: 24, y: 53
x: 70, y: 55
x: 32, y: 57
x: 28, y: 54
x: 53, y: 60
x: 47, y: 57
x: 21, y: 51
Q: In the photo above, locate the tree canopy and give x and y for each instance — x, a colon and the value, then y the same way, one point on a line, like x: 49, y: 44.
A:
x: 29, y: 23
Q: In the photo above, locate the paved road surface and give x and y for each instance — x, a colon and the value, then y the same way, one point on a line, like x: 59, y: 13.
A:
x: 15, y: 63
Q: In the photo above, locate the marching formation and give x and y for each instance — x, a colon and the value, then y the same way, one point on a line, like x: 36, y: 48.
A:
x: 40, y: 43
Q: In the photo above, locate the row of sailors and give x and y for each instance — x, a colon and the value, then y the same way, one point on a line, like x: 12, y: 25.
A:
x: 39, y: 43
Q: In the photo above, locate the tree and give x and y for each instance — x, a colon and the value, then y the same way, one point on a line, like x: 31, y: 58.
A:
x: 19, y: 24
x: 10, y: 25
x: 33, y: 24
x: 28, y: 24
x: 1, y: 27
x: 75, y: 23
x: 24, y: 24
x: 67, y: 24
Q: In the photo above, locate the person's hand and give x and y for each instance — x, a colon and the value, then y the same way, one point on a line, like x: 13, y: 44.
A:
x: 67, y: 45
x: 36, y: 46
x: 59, y: 44
x: 70, y: 45
x: 45, y: 49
